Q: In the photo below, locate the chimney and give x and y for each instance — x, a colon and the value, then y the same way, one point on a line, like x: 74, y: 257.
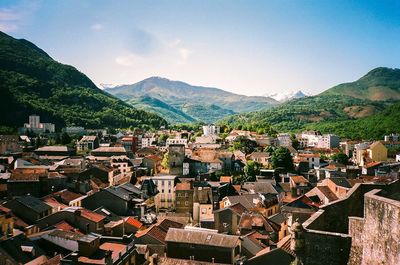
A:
x: 108, y: 257
x: 154, y: 258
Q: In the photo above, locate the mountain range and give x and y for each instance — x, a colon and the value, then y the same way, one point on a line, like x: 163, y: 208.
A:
x: 179, y: 102
x: 31, y: 82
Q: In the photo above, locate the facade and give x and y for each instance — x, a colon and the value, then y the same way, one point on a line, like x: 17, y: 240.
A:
x: 377, y: 152
x: 176, y: 155
x: 165, y: 199
x: 174, y: 141
x: 328, y: 141
x: 284, y: 140
x: 148, y: 141
x: 211, y: 130
x: 87, y: 142
x: 36, y: 126
x: 184, y: 198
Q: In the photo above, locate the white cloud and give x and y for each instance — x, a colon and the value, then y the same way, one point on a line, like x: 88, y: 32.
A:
x: 97, y: 27
x: 126, y: 60
x: 9, y: 19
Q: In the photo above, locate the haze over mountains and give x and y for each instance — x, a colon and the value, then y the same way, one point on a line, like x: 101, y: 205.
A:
x: 180, y: 102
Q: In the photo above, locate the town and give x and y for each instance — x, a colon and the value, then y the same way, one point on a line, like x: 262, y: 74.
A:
x: 208, y: 195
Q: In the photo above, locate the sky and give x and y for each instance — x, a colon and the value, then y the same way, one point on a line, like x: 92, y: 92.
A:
x: 246, y: 47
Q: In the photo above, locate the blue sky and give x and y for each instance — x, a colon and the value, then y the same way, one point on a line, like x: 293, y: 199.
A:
x: 247, y: 47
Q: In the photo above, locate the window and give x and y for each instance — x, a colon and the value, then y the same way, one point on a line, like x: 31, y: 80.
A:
x: 186, y: 203
x: 203, y: 210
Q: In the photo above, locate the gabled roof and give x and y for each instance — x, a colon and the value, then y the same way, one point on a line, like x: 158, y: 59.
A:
x: 341, y: 181
x: 33, y: 203
x: 327, y: 193
x: 201, y: 238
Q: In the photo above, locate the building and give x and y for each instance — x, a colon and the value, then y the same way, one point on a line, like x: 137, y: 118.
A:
x: 260, y: 157
x: 88, y: 142
x: 54, y: 152
x: 10, y: 144
x: 29, y: 208
x: 130, y: 143
x: 148, y: 141
x: 108, y: 151
x: 328, y: 141
x: 165, y: 199
x: 358, y: 229
x: 203, y: 245
x: 184, y: 197
x: 392, y: 138
x: 176, y: 156
x: 211, y: 130
x: 377, y: 151
x: 176, y: 141
x: 36, y: 126
x: 284, y: 140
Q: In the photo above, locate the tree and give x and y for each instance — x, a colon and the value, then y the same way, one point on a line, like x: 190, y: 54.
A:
x: 341, y: 158
x: 244, y: 144
x: 165, y: 161
x: 281, y: 158
x: 251, y: 169
x: 65, y: 138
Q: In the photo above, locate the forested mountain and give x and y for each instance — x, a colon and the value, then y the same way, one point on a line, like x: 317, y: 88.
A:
x: 350, y: 110
x: 32, y: 82
x: 180, y: 102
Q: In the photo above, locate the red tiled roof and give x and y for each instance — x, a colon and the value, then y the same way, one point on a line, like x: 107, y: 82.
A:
x: 133, y: 222
x: 298, y: 179
x: 373, y: 164
x: 95, y: 217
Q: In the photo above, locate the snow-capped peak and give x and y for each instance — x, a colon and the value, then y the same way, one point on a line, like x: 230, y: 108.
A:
x: 282, y: 97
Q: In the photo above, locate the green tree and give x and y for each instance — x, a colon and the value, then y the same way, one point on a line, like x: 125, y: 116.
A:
x: 281, y: 158
x: 251, y: 170
x: 65, y: 138
x: 341, y: 158
x: 244, y: 144
x: 165, y: 161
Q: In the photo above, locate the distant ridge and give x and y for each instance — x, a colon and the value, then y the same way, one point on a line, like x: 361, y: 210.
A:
x: 197, y: 103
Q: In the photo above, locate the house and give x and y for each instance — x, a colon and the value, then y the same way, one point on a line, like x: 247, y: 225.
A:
x: 284, y: 139
x: 313, y: 160
x: 255, y: 222
x: 176, y: 157
x: 226, y: 220
x: 19, y: 250
x: 152, y: 163
x: 338, y: 185
x: 87, y: 142
x: 371, y: 168
x: 179, y: 141
x: 35, y: 181
x: 6, y: 223
x: 281, y: 220
x: 299, y: 185
x: 29, y: 208
x: 124, y: 164
x: 377, y: 151
x: 165, y: 198
x: 184, y: 197
x: 67, y: 197
x: 203, y: 206
x: 260, y: 157
x: 203, y: 245
x: 323, y: 193
x: 10, y: 144
x: 78, y: 217
x: 54, y: 152
x: 108, y: 151
x: 155, y: 234
x: 266, y: 204
x: 130, y: 143
x: 123, y: 200
x: 105, y: 173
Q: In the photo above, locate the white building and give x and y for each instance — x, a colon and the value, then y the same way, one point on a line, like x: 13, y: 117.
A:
x: 165, y: 198
x: 328, y: 141
x: 148, y: 141
x: 36, y: 126
x: 311, y: 138
x: 182, y: 141
x: 284, y: 140
x: 209, y: 130
x: 392, y: 138
x: 398, y: 158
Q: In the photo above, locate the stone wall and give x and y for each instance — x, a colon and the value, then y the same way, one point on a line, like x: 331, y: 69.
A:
x: 376, y: 237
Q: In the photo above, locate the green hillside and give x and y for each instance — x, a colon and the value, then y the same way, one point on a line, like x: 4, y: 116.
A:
x: 335, y: 110
x: 32, y: 82
x: 379, y: 84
